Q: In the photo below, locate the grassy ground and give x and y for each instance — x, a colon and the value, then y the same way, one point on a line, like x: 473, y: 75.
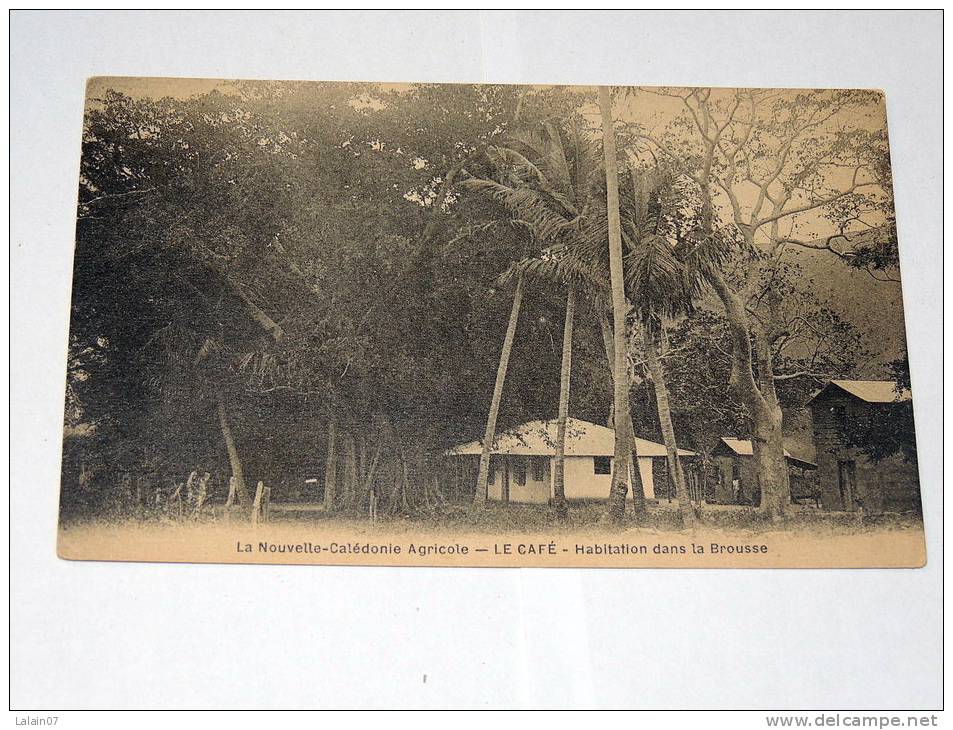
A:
x: 587, y: 515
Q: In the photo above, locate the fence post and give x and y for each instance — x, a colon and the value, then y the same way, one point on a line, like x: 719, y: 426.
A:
x: 372, y: 505
x: 201, y: 494
x: 232, y: 492
x: 256, y: 511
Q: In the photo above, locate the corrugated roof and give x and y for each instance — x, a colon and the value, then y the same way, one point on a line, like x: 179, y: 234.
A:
x: 873, y: 391
x: 538, y: 438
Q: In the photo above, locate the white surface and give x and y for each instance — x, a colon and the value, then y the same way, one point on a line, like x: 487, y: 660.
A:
x: 581, y: 481
x: 112, y: 635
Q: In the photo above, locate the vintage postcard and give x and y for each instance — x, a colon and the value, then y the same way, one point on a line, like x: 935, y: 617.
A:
x: 487, y: 325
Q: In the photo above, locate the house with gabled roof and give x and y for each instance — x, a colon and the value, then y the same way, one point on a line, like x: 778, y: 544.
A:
x: 521, y: 461
x: 853, y: 470
x: 736, y: 473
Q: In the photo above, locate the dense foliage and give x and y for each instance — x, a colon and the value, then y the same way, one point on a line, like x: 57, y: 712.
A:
x: 287, y: 256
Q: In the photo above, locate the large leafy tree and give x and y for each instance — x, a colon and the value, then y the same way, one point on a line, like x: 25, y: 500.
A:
x: 772, y: 167
x: 306, y: 241
x: 164, y: 215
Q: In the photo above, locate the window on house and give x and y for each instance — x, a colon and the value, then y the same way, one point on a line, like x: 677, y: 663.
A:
x: 519, y: 471
x: 539, y: 469
x: 602, y: 465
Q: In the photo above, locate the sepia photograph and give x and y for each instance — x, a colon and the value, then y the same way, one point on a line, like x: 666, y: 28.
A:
x: 476, y: 360
x: 487, y: 325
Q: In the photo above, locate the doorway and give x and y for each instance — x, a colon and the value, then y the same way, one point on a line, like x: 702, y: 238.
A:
x: 846, y: 483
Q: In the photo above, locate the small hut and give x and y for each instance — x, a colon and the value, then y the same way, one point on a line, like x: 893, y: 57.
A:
x: 737, y: 474
x: 849, y: 477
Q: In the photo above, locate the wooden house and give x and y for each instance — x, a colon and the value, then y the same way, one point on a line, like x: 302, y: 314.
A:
x: 736, y: 476
x: 848, y: 476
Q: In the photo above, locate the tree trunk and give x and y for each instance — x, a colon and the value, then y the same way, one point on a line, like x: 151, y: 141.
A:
x: 233, y: 459
x: 772, y: 465
x: 639, y: 506
x: 372, y: 506
x: 361, y: 445
x: 372, y: 468
x: 406, y: 485
x: 638, y: 490
x: 559, y: 474
x: 394, y: 469
x: 623, y: 439
x: 479, y: 497
x: 668, y: 429
x: 350, y: 471
x: 768, y: 448
x: 606, y: 330
x: 331, y: 467
x: 765, y: 413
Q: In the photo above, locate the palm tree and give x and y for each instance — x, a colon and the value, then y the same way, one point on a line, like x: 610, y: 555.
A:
x: 559, y: 471
x: 547, y: 182
x: 623, y: 439
x: 552, y: 186
x: 579, y: 262
x: 665, y: 271
x: 664, y: 290
x: 638, y: 491
x: 480, y: 495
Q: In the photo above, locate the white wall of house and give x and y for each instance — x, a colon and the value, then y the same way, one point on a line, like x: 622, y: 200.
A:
x: 537, y: 483
x: 537, y: 486
x: 583, y: 483
x: 645, y: 471
x: 581, y: 480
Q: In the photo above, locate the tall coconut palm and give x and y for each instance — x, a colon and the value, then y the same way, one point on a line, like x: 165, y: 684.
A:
x: 565, y: 372
x: 623, y: 439
x: 561, y: 267
x: 580, y: 263
x: 546, y: 181
x: 480, y: 495
x: 638, y: 490
x: 665, y: 271
x: 652, y: 334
